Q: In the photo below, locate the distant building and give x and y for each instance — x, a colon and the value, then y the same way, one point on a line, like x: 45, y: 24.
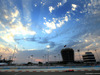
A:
x: 89, y: 58
x: 67, y: 55
x: 2, y: 61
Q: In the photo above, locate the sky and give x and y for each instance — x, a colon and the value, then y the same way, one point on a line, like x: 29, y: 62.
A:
x: 39, y: 27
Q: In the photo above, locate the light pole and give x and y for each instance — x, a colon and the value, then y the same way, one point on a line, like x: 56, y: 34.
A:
x: 14, y: 58
x: 28, y: 58
x: 45, y: 58
x: 48, y: 57
x: 59, y: 57
x: 55, y: 58
x: 13, y: 53
x: 79, y: 54
x: 31, y: 58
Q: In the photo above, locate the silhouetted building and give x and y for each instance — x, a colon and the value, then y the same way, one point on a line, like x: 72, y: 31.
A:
x: 67, y: 55
x: 5, y: 60
x: 89, y: 58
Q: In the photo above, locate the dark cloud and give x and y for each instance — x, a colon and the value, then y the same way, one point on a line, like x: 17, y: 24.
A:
x: 40, y: 41
x: 52, y: 44
x: 43, y: 41
x: 26, y: 39
x: 30, y: 39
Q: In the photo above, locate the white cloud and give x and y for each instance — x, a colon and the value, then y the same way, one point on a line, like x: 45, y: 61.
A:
x: 73, y: 9
x: 60, y: 23
x: 14, y: 26
x: 51, y: 9
x: 20, y: 29
x: 13, y: 19
x: 8, y: 37
x: 56, y: 22
x: 27, y: 49
x: 59, y: 4
x: 48, y: 31
x: 74, y: 6
x: 66, y: 18
x: 17, y: 29
x: 51, y: 25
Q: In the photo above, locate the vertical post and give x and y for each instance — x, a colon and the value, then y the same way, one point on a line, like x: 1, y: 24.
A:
x: 48, y: 56
x: 79, y: 54
x: 14, y: 53
x: 45, y: 58
x: 55, y: 58
x: 31, y: 58
x: 59, y: 57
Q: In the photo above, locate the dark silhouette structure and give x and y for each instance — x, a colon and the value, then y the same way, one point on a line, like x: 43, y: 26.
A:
x: 6, y: 61
x: 89, y: 58
x: 67, y: 55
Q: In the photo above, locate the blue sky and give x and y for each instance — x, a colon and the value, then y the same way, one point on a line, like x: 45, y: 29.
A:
x: 34, y: 26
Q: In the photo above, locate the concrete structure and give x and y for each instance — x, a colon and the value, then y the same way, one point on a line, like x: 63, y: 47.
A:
x: 89, y: 58
x: 67, y: 55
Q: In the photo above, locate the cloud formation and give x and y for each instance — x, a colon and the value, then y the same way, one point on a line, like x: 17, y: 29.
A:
x: 51, y: 8
x: 74, y: 6
x: 55, y: 23
x: 59, y: 4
